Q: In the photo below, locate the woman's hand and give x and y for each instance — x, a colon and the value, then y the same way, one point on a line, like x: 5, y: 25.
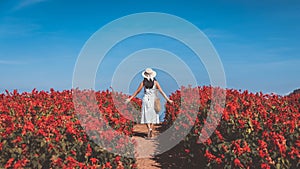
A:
x: 170, y: 101
x: 128, y: 100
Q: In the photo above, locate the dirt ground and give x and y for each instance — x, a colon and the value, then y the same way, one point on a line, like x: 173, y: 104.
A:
x: 145, y: 148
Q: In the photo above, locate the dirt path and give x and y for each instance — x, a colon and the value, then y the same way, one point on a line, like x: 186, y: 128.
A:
x: 145, y: 148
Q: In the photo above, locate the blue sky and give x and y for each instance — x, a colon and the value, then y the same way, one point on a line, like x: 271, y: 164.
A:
x: 257, y: 42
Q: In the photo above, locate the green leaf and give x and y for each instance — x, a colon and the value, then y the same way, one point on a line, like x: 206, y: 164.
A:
x: 214, y: 149
x: 19, y: 150
x: 278, y: 166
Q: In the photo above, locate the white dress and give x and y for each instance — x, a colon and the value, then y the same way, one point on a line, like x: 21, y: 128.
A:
x: 148, y: 113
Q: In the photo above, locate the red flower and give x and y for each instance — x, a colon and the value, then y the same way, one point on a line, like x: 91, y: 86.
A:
x: 18, y: 139
x: 94, y: 160
x: 118, y: 158
x: 9, y: 163
x: 256, y: 125
x: 262, y: 144
x: 73, y: 152
x: 246, y: 147
x: 21, y: 163
x: 294, y: 152
x: 88, y: 150
x: 218, y: 133
x: 209, y: 155
x: 242, y: 123
x: 219, y: 160
x: 262, y: 153
x: 237, y: 162
x: 224, y: 147
x: 265, y: 166
x: 58, y: 161
x: 208, y: 141
x: 298, y: 142
x: 71, y: 161
x: 107, y: 165
x: 226, y: 115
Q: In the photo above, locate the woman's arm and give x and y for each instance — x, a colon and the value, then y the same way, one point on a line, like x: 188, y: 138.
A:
x: 162, y: 92
x: 136, y: 92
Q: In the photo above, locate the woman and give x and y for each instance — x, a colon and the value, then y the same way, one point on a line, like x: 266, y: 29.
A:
x: 150, y: 84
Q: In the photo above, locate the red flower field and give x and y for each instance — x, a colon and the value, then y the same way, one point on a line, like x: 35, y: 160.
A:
x: 42, y: 129
x: 255, y: 131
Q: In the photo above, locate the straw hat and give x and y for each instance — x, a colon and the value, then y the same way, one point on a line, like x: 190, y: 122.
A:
x: 149, y: 73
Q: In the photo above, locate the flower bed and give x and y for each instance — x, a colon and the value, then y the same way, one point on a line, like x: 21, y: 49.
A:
x: 255, y: 131
x: 41, y: 129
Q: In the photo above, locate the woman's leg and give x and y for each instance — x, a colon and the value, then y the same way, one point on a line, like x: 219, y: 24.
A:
x: 148, y: 127
x: 151, y: 127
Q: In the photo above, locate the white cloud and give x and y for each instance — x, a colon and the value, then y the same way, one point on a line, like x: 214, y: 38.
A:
x: 217, y: 33
x: 11, y: 62
x: 17, y: 29
x: 26, y: 3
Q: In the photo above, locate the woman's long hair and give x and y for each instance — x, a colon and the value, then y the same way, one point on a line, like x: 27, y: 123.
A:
x: 148, y: 83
